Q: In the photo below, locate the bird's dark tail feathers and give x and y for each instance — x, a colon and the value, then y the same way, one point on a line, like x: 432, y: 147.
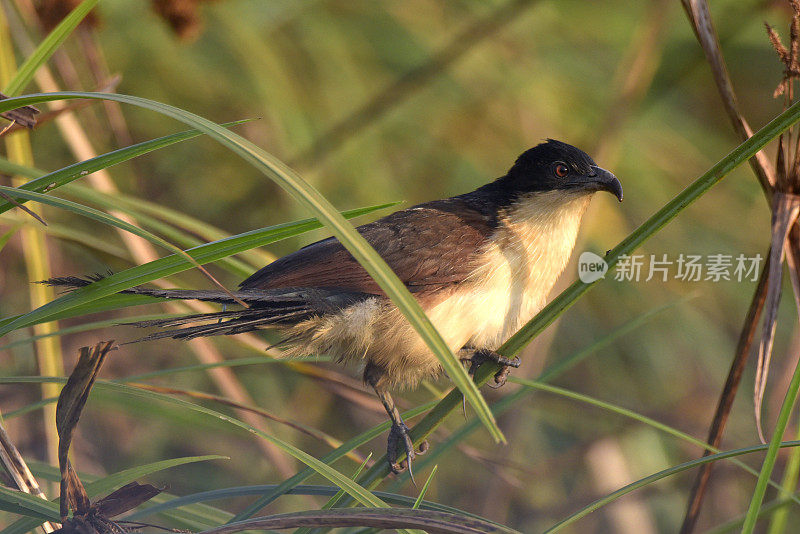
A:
x: 269, y: 308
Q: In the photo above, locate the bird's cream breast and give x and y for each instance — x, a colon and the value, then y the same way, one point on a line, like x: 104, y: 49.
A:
x: 522, y: 262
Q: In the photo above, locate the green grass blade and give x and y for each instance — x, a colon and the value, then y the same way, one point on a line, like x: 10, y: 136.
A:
x: 247, y: 491
x: 772, y: 453
x: 780, y: 518
x: 570, y: 295
x: 112, y: 302
x: 312, y: 200
x: 34, y: 509
x: 391, y: 518
x: 91, y: 213
x: 180, y: 223
x: 86, y: 299
x: 47, y: 47
x: 339, y: 494
x: 695, y: 190
x: 43, y: 182
x: 362, y: 495
x: 572, y: 360
x: 540, y: 386
x: 424, y: 489
x: 8, y: 235
x: 451, y: 401
x: 657, y: 425
x: 105, y: 485
x: 343, y: 449
x: 174, y: 235
x: 642, y: 482
x: 735, y: 525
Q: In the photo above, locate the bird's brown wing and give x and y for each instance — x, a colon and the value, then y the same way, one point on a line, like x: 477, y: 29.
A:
x: 430, y: 246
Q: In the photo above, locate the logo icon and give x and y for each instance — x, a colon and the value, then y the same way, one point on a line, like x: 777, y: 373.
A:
x: 591, y: 267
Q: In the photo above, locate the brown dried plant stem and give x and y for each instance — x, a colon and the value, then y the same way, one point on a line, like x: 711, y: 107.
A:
x: 726, y: 398
x: 37, y: 260
x: 80, y: 145
x: 700, y: 18
x: 16, y: 467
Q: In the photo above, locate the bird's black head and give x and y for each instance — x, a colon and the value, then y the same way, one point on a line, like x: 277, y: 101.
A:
x: 550, y: 166
x: 558, y: 166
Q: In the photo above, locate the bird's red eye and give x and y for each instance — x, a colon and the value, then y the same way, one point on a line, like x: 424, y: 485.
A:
x: 561, y: 170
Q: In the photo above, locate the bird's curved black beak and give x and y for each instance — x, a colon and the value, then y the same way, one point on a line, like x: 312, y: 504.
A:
x: 599, y: 179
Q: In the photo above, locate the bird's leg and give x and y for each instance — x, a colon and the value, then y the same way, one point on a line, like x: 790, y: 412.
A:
x: 477, y: 357
x: 399, y: 431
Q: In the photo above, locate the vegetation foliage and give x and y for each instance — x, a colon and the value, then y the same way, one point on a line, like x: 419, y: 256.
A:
x: 353, y: 107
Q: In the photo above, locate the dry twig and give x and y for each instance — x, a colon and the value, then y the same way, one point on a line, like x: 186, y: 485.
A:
x: 781, y: 185
x: 89, y: 517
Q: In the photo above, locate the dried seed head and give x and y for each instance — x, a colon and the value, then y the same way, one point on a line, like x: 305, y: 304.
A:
x: 775, y: 39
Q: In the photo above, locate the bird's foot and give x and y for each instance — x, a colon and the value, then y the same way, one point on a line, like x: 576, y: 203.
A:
x: 399, y: 434
x: 480, y: 356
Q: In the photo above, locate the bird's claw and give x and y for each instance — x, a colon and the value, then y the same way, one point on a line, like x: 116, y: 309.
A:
x: 400, y: 433
x: 479, y: 357
x: 501, y: 375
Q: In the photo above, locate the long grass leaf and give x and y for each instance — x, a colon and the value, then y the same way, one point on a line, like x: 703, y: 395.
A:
x: 337, y: 497
x: 47, y: 47
x: 343, y: 449
x: 168, y: 232
x: 657, y: 425
x: 35, y: 509
x: 103, y: 486
x: 99, y: 296
x: 656, y: 222
x: 89, y: 212
x: 424, y: 489
x: 300, y: 489
x: 780, y: 518
x: 362, y: 495
x: 312, y: 200
x: 772, y: 452
x: 44, y: 182
x: 569, y: 296
x: 642, y: 482
x: 196, y: 516
x: 176, y: 218
x: 383, y: 519
x: 8, y: 235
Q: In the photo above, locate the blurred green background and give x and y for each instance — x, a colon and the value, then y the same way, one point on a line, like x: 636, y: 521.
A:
x: 437, y: 98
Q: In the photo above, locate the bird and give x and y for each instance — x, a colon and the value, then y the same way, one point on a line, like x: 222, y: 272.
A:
x: 480, y: 264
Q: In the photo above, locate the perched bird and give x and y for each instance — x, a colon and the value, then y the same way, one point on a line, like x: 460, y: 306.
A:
x: 480, y: 264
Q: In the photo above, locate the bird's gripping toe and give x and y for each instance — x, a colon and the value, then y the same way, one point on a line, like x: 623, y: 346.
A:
x: 478, y: 357
x: 399, y: 434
